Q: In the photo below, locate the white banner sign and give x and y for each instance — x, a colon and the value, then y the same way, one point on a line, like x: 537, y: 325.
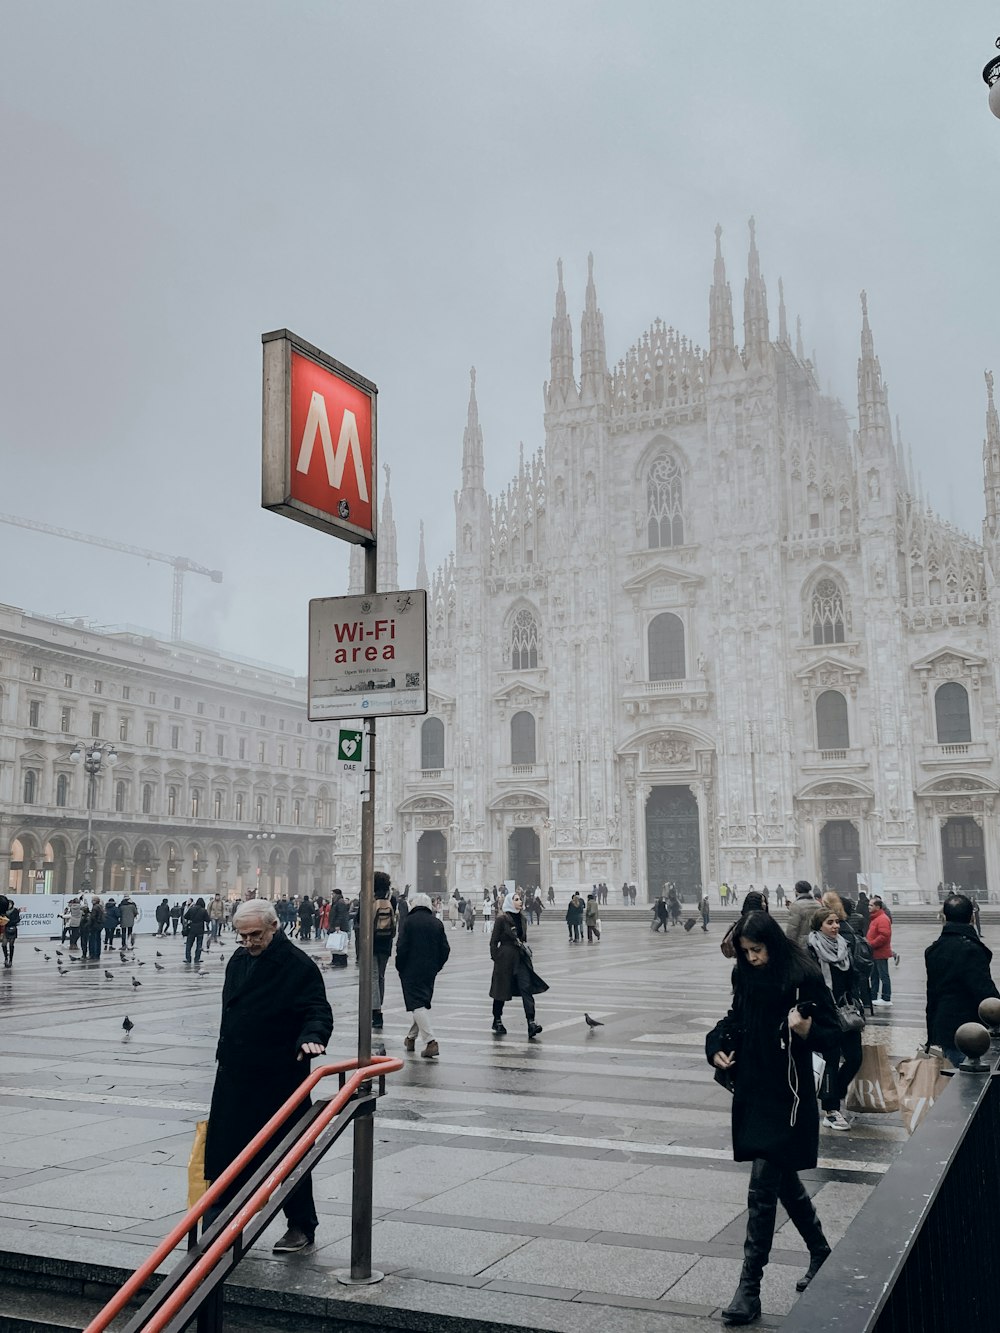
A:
x: 368, y: 656
x: 41, y: 913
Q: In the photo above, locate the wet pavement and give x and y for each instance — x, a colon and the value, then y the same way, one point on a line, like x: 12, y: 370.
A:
x: 549, y: 1184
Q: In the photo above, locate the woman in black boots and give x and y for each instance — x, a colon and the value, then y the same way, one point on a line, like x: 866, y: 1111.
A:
x: 513, y: 973
x: 762, y: 1051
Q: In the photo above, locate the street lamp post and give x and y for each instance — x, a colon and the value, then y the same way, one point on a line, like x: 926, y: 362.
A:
x: 93, y: 755
x: 262, y: 835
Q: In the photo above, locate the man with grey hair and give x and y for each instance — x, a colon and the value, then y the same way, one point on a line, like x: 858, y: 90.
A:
x: 275, y: 1018
x: 421, y: 952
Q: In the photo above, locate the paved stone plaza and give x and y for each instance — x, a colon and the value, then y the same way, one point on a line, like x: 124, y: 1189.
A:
x: 534, y: 1185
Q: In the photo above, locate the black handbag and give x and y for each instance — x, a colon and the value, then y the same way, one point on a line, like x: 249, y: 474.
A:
x: 849, y: 1017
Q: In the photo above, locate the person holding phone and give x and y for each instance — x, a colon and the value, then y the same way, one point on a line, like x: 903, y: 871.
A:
x: 782, y: 1011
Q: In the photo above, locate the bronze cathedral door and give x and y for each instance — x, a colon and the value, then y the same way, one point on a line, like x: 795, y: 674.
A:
x: 673, y: 847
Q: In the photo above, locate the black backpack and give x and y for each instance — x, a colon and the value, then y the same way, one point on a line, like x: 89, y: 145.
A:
x: 862, y: 958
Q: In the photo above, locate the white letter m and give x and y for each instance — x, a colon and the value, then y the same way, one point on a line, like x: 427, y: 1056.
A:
x: 317, y: 420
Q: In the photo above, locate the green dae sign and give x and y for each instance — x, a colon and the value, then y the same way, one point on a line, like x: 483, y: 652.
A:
x: 349, y: 750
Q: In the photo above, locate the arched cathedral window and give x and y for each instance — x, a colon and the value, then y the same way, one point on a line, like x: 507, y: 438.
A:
x: 827, y: 612
x: 432, y: 743
x: 523, y: 641
x: 664, y: 516
x: 665, y: 637
x: 951, y: 713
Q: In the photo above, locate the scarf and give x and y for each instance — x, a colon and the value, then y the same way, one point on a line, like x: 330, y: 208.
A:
x: 829, y: 953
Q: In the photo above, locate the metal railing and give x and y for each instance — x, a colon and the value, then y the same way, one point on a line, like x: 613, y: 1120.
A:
x: 193, y: 1289
x: 922, y: 1255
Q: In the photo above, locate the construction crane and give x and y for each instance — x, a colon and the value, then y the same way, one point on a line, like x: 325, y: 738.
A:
x: 181, y: 564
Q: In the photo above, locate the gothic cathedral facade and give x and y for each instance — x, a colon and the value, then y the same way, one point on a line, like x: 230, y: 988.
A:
x: 708, y: 633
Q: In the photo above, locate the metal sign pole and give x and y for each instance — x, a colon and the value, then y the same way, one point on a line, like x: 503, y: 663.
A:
x: 361, y: 1272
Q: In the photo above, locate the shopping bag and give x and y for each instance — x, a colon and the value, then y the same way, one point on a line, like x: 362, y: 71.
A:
x: 597, y: 927
x: 337, y: 941
x: 920, y: 1081
x: 874, y: 1086
x: 197, y: 1184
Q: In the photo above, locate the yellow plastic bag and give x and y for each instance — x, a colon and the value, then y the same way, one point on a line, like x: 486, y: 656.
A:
x: 197, y: 1184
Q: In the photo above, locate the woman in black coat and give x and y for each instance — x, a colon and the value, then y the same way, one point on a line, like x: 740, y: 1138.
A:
x: 782, y: 1012
x: 829, y: 945
x: 512, y: 970
x: 422, y: 950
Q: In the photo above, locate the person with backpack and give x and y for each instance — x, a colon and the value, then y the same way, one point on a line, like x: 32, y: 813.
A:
x: 383, y: 933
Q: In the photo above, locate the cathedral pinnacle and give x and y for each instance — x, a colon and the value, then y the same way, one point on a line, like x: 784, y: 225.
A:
x: 472, y: 442
x: 756, y: 334
x: 562, y: 342
x: 873, y: 399
x: 720, y: 306
x: 388, y: 565
x: 593, y: 357
x: 782, y: 318
x: 991, y: 462
x: 422, y: 580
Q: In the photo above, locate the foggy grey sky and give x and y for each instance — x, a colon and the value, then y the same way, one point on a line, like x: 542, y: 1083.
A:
x: 395, y: 183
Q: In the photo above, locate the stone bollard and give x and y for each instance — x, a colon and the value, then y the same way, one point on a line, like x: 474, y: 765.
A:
x: 973, y: 1040
x: 989, y: 1013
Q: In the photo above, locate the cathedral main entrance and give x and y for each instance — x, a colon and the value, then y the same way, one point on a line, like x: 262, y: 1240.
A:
x: 963, y: 856
x: 524, y: 865
x: 673, y: 846
x: 840, y: 853
x: 432, y: 862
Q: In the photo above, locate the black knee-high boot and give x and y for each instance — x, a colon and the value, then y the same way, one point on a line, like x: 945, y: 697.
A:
x: 802, y: 1214
x: 762, y: 1203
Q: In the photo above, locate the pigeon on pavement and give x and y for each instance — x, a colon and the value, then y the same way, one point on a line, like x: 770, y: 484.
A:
x: 593, y: 1022
x: 158, y: 954
x: 135, y: 983
x: 108, y: 976
x: 158, y: 966
x: 127, y: 1026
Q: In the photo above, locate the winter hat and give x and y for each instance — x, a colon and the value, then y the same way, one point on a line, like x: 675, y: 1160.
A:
x: 420, y: 900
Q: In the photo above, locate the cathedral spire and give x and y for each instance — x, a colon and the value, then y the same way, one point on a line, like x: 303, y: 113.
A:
x: 756, y: 335
x: 388, y: 565
x: 422, y: 580
x: 873, y: 409
x: 800, y: 351
x: 720, y: 306
x: 782, y: 319
x: 562, y: 341
x: 991, y: 461
x: 593, y: 357
x: 472, y: 443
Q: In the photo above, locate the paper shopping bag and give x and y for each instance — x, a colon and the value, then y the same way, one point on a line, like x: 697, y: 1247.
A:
x: 197, y: 1184
x: 921, y: 1081
x: 874, y: 1086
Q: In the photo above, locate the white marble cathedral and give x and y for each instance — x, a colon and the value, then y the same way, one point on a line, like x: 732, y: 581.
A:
x: 707, y: 633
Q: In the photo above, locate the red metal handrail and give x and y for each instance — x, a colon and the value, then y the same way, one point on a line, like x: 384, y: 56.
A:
x: 378, y: 1066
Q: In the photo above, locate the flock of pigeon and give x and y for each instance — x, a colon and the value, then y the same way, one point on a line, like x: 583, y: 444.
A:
x: 63, y: 957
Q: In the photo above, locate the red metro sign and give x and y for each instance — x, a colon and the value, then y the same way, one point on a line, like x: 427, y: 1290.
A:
x: 318, y: 439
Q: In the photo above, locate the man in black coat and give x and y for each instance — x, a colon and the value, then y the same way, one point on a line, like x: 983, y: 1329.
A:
x: 422, y: 950
x: 958, y: 976
x: 275, y: 1018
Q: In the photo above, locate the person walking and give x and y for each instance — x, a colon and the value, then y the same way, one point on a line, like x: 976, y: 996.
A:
x: 591, y: 913
x: 453, y: 909
x: 216, y: 916
x: 195, y: 925
x: 879, y: 936
x: 705, y: 908
x: 175, y: 916
x: 779, y: 896
x: 673, y: 906
x: 422, y: 950
x: 383, y: 934
x: 10, y: 919
x: 112, y: 916
x: 162, y: 916
x: 513, y: 973
x: 575, y: 910
x: 306, y: 915
x: 487, y: 913
x: 762, y: 1050
x: 958, y: 976
x: 831, y: 951
x: 660, y: 914
x: 74, y: 911
x: 275, y: 1018
x: 552, y: 896
x: 800, y: 913
x: 469, y: 914
x: 127, y: 915
x: 95, y: 925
